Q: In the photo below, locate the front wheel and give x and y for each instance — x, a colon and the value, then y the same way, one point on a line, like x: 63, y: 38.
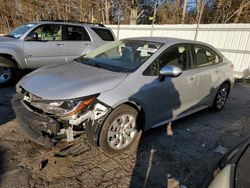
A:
x: 7, y: 73
x: 221, y: 97
x: 119, y: 130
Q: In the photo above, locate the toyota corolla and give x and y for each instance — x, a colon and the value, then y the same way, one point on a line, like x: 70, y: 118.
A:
x: 121, y: 88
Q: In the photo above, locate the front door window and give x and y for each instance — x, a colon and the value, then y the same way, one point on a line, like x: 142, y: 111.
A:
x: 48, y: 33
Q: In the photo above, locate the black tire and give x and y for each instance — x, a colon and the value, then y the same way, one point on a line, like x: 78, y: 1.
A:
x: 8, y: 72
x: 221, y: 97
x: 105, y: 139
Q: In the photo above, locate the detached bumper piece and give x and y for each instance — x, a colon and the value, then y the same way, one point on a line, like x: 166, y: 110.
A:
x: 33, y: 124
x: 76, y: 149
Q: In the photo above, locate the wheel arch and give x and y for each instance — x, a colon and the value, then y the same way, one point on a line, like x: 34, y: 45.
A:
x: 13, y: 62
x: 141, y: 114
x: 13, y: 54
x: 227, y: 82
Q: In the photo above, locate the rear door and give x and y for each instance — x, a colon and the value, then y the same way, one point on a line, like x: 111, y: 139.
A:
x: 47, y: 48
x: 207, y: 64
x: 77, y: 41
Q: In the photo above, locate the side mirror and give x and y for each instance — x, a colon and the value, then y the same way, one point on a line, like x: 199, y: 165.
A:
x: 32, y: 36
x: 169, y: 71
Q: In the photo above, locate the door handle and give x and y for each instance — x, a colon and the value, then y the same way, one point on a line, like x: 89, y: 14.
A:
x: 60, y: 44
x: 87, y: 44
x: 194, y: 77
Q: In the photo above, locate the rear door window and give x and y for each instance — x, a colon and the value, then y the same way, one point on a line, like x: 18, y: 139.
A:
x: 205, y: 56
x: 76, y: 33
x: 104, y: 34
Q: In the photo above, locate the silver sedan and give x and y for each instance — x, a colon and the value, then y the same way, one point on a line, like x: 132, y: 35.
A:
x: 121, y: 88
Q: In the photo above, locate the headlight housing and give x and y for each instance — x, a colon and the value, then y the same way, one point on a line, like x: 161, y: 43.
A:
x: 63, y: 108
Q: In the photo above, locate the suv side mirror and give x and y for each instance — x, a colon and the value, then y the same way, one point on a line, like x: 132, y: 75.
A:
x: 169, y: 71
x: 32, y: 36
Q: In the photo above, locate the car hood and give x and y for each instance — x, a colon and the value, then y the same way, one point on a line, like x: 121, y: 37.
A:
x: 6, y: 39
x: 68, y: 81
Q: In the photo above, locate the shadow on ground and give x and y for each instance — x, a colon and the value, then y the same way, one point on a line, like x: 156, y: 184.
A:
x: 186, y: 158
x: 6, y: 111
x: 2, y: 164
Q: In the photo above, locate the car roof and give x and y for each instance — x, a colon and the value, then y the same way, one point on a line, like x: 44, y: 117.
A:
x: 167, y: 40
x: 69, y: 22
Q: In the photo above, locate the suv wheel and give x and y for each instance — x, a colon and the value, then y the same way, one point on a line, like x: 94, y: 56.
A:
x: 221, y: 97
x: 7, y: 74
x: 119, y: 130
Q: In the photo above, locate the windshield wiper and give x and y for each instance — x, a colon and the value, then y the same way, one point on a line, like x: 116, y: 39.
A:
x: 100, y: 65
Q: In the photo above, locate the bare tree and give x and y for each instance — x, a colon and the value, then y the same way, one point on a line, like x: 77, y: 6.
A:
x: 184, y: 11
x: 198, y: 8
x: 107, y: 7
x: 16, y: 12
x: 243, y: 4
x: 133, y: 11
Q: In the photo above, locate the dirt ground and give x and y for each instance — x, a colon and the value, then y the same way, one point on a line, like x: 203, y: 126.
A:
x: 187, y: 158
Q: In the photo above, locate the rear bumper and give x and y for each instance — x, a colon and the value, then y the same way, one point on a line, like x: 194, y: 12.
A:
x: 34, y: 124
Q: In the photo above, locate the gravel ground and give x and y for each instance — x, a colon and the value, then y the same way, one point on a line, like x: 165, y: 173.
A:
x: 187, y: 158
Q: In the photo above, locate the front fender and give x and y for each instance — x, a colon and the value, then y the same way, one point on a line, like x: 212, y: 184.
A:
x: 141, y: 107
x: 15, y: 53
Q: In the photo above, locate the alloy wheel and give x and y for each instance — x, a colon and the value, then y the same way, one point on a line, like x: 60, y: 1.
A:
x: 122, y: 131
x: 222, y: 97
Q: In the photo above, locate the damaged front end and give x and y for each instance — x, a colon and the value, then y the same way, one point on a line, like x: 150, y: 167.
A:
x: 46, y: 121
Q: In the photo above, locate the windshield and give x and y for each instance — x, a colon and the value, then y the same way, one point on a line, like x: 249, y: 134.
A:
x: 19, y: 31
x: 121, y: 56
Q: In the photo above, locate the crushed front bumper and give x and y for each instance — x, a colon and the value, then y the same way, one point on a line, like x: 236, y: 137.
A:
x: 34, y: 124
x: 43, y: 129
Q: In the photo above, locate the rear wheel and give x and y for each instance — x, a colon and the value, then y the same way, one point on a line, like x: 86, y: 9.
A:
x: 119, y: 130
x: 221, y: 97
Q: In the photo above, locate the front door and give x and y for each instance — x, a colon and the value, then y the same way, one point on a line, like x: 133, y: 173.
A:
x: 174, y: 96
x: 46, y: 47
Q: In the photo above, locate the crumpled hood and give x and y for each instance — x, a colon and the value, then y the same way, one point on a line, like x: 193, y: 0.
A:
x: 67, y: 81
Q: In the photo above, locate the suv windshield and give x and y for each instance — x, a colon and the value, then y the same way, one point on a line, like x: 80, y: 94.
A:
x: 121, y: 56
x: 19, y: 31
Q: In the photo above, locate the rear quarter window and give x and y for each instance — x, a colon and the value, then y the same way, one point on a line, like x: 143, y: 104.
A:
x: 104, y: 34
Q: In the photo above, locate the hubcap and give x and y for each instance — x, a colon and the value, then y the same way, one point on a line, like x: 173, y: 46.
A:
x: 122, y: 131
x: 5, y: 74
x: 221, y: 98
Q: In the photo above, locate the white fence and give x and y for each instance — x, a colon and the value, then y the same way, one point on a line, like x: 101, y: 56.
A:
x: 233, y: 40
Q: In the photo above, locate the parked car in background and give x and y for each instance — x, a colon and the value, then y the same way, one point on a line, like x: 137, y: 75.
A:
x: 37, y: 44
x: 121, y: 88
x: 234, y: 168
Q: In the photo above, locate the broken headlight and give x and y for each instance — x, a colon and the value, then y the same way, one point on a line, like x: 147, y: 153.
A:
x: 63, y: 108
